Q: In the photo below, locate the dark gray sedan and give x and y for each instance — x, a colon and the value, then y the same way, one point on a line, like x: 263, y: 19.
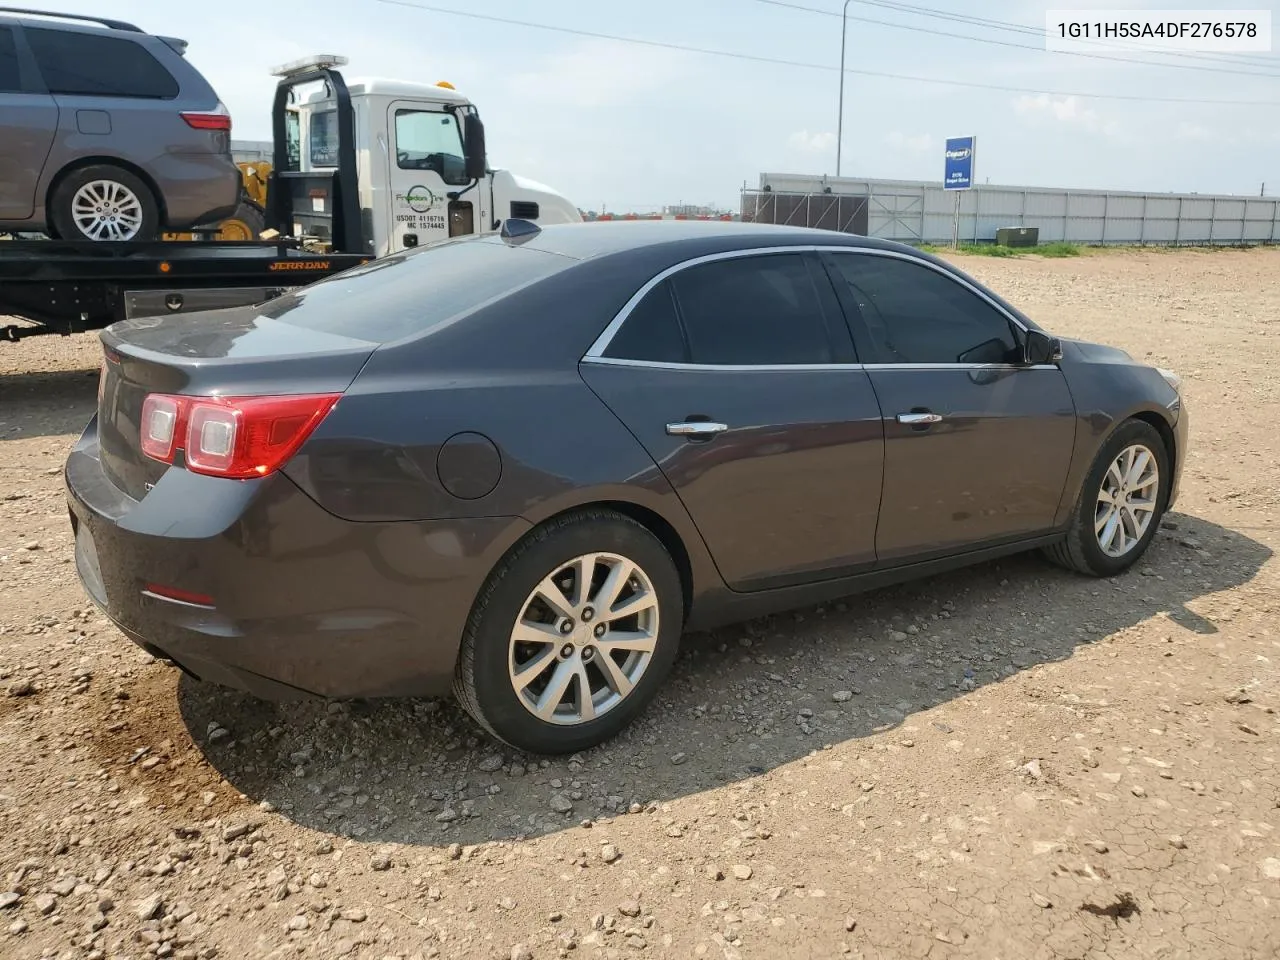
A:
x: 520, y: 466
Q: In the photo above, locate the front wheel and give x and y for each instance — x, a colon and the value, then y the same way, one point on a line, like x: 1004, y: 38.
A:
x: 1120, y: 506
x: 572, y: 634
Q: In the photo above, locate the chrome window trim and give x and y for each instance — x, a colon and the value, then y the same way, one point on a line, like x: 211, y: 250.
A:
x: 596, y: 351
x: 779, y: 367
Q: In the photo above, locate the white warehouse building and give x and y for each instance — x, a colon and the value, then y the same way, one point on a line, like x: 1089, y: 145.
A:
x: 921, y: 211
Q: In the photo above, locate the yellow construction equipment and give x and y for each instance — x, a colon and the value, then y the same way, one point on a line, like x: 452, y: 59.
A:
x: 249, y: 219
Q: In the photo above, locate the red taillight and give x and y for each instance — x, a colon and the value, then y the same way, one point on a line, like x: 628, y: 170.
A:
x: 239, y: 437
x: 217, y: 120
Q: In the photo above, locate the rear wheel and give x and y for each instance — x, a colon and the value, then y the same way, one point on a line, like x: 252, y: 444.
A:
x: 104, y: 202
x: 1120, y: 504
x: 572, y: 634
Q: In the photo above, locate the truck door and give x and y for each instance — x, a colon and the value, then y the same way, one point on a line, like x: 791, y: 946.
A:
x: 426, y: 165
x: 29, y: 120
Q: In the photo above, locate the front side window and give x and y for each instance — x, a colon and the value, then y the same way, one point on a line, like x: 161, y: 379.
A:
x: 915, y: 314
x: 428, y: 140
x: 9, y: 79
x: 84, y: 64
x: 752, y: 310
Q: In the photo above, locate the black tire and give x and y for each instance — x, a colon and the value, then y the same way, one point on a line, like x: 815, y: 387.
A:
x: 482, y: 683
x: 62, y: 218
x: 1080, y: 550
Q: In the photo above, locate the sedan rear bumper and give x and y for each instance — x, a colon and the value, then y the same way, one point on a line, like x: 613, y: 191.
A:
x: 299, y: 601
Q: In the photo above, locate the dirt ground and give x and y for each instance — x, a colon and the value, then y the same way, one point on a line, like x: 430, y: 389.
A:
x: 1006, y: 763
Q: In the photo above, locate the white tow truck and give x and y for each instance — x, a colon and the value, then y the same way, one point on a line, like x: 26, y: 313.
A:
x: 360, y: 170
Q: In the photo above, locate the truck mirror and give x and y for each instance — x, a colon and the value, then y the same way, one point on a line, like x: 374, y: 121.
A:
x: 473, y: 133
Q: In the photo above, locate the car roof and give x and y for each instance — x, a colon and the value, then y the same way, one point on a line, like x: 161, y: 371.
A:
x: 588, y: 240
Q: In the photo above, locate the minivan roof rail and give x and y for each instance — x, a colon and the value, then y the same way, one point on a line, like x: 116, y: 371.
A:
x: 110, y: 24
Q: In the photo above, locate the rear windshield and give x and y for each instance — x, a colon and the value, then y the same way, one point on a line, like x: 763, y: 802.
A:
x: 406, y: 294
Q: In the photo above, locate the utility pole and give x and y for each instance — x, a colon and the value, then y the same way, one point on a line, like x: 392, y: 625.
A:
x: 844, y: 25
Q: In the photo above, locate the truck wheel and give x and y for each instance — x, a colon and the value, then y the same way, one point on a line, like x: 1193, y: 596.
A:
x: 104, y: 202
x: 572, y: 634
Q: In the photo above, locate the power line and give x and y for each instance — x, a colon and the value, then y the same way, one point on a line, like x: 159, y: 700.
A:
x: 1019, y: 46
x: 664, y: 45
x: 1243, y: 59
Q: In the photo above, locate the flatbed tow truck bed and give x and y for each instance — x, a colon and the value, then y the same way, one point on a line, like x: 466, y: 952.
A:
x: 69, y: 286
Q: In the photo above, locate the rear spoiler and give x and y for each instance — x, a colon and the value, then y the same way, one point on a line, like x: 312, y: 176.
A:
x: 178, y: 46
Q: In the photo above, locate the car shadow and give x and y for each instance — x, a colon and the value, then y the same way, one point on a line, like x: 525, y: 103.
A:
x: 46, y: 403
x: 740, y: 703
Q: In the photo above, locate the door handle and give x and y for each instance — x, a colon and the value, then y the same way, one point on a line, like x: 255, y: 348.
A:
x: 917, y: 419
x: 696, y: 429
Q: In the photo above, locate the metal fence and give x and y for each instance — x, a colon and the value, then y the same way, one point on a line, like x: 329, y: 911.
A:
x: 916, y: 211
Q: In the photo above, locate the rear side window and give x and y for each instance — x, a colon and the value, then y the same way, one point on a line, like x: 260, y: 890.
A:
x: 84, y: 64
x: 752, y: 310
x: 651, y: 331
x: 9, y: 80
x: 324, y: 138
x: 410, y: 293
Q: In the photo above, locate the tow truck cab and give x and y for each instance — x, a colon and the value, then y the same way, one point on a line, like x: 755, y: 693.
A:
x: 377, y: 166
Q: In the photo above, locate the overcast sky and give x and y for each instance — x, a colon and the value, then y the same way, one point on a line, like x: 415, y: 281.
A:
x: 635, y: 127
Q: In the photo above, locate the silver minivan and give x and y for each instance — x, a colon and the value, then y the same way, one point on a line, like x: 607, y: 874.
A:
x: 107, y: 132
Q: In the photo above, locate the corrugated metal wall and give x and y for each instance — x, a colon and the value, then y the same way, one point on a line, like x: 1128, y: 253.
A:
x: 917, y: 211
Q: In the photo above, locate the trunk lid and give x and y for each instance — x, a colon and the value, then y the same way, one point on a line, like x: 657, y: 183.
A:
x: 229, y: 353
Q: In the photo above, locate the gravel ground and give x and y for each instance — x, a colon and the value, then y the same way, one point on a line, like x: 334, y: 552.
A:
x: 1006, y: 762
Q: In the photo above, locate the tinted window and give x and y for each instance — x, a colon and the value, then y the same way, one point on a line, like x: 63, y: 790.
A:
x: 651, y: 331
x: 752, y: 310
x: 99, y: 66
x: 917, y: 315
x: 8, y: 63
x: 409, y: 293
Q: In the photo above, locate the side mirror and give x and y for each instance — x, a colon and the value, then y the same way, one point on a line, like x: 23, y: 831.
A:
x: 473, y: 135
x: 1041, y: 348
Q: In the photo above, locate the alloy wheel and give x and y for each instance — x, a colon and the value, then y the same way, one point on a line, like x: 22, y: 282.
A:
x: 584, y: 638
x: 107, y: 210
x: 1127, y: 500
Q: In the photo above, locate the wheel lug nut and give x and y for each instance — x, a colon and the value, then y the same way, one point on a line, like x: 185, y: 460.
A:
x: 566, y: 626
x: 587, y: 614
x: 566, y: 651
x: 599, y: 631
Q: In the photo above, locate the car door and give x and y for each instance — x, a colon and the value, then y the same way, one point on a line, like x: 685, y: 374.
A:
x: 425, y: 164
x: 735, y: 373
x: 28, y: 121
x: 977, y: 443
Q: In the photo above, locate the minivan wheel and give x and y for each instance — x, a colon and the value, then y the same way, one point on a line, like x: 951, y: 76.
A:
x: 1120, y: 506
x: 104, y: 202
x: 572, y: 634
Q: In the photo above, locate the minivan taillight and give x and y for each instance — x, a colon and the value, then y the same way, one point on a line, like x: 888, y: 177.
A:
x: 218, y: 119
x: 238, y: 437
